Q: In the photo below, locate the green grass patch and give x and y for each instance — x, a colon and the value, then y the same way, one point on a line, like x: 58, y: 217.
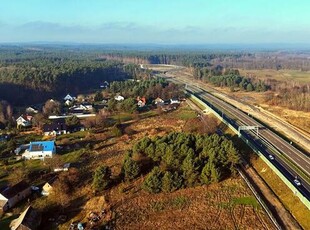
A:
x: 179, y: 202
x: 122, y: 117
x: 247, y: 200
x: 73, y: 136
x: 186, y: 114
x: 73, y: 156
x: 147, y: 114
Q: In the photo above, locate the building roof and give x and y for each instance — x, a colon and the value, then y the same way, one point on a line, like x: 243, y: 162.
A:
x: 15, y: 189
x: 57, y: 125
x: 41, y: 146
x: 29, y: 218
x: 2, y: 203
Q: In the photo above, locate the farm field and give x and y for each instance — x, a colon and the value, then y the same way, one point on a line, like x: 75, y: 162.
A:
x: 280, y: 75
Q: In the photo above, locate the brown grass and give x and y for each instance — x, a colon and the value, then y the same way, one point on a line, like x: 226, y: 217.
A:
x: 280, y: 75
x: 130, y: 207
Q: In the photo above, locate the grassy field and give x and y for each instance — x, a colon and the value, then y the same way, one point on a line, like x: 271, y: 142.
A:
x: 227, y: 205
x: 291, y: 202
x: 281, y: 75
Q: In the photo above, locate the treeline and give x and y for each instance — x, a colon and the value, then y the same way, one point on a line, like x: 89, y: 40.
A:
x: 34, y: 77
x: 151, y: 89
x: 228, y: 59
x: 228, y: 78
x: 295, y: 98
x: 181, y: 160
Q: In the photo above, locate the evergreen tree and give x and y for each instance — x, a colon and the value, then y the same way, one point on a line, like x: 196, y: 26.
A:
x: 205, y: 175
x: 153, y: 183
x: 101, y: 178
x: 130, y: 168
x: 167, y: 182
x: 189, y: 170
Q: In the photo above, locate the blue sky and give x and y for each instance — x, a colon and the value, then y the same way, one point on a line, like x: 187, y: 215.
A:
x: 155, y: 21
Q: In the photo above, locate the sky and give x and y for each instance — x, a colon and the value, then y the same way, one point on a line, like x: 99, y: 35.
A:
x: 155, y: 21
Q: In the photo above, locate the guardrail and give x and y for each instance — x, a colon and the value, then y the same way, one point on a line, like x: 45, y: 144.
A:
x: 224, y: 119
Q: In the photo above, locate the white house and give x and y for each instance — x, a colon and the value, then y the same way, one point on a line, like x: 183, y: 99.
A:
x: 40, y: 150
x: 69, y: 97
x: 24, y: 121
x: 119, y: 98
x: 12, y: 195
x: 158, y: 101
x: 174, y: 101
x: 31, y: 110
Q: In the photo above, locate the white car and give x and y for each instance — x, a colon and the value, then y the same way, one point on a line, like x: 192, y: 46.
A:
x: 297, y: 182
x: 271, y: 157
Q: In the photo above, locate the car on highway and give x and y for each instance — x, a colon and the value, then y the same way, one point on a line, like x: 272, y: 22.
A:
x: 297, y: 182
x: 271, y: 157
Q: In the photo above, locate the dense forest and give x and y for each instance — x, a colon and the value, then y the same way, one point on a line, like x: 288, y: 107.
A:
x: 32, y: 74
x: 181, y: 160
x: 228, y: 59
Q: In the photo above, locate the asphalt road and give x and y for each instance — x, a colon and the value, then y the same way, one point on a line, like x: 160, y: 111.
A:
x: 267, y: 141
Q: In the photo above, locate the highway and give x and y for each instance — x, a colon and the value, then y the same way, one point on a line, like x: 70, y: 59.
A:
x: 267, y: 142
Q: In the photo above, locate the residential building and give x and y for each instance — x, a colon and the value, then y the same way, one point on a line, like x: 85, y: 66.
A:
x: 40, y: 150
x: 158, y: 100
x: 119, y: 98
x: 24, y: 121
x: 31, y: 110
x: 48, y: 187
x: 57, y: 127
x: 69, y: 97
x: 141, y: 101
x: 12, y: 195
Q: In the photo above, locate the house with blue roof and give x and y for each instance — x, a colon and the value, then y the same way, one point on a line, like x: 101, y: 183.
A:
x: 40, y: 150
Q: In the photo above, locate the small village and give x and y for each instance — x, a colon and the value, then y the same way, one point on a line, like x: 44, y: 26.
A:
x: 47, y: 128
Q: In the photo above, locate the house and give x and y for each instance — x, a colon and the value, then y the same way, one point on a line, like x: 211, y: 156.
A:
x: 69, y: 98
x: 81, y: 108
x: 141, y: 101
x: 30, y: 219
x: 68, y: 103
x: 48, y: 186
x: 158, y: 100
x: 24, y: 121
x: 31, y: 110
x: 40, y: 150
x: 174, y: 101
x: 87, y: 106
x: 57, y: 127
x: 119, y: 98
x: 12, y: 195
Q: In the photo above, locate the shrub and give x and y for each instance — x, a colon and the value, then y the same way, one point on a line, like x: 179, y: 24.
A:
x: 101, y: 178
x: 130, y: 168
x: 153, y: 182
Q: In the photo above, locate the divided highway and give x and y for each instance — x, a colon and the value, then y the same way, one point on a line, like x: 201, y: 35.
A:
x: 267, y: 142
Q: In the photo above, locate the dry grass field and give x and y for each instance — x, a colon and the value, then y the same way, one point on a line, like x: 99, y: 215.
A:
x: 280, y: 75
x: 226, y: 205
